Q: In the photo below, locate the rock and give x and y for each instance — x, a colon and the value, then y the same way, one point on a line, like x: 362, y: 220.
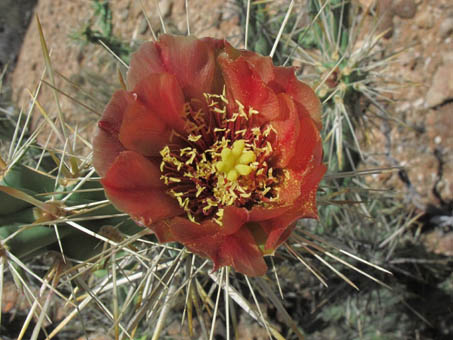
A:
x: 9, y: 298
x: 405, y: 9
x: 425, y: 20
x: 439, y: 243
x: 96, y: 336
x: 386, y: 24
x: 143, y: 25
x: 366, y: 4
x: 165, y: 7
x: 385, y: 14
x: 441, y: 89
x: 447, y: 57
x: 14, y: 19
x: 446, y: 28
x: 124, y: 14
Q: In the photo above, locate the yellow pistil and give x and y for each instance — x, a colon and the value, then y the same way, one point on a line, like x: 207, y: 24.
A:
x: 236, y: 161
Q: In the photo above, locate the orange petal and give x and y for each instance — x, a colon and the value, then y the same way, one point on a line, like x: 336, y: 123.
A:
x: 227, y: 245
x: 285, y: 81
x: 132, y: 170
x: 143, y: 131
x: 308, y: 144
x: 245, y: 85
x: 241, y: 252
x: 133, y: 185
x: 261, y: 65
x: 233, y: 219
x: 144, y: 62
x: 106, y: 145
x: 191, y: 60
x: 162, y: 94
x: 218, y: 46
x: 279, y: 228
x: 307, y: 201
x: 258, y: 213
x: 298, y: 183
x: 163, y: 231
x: 279, y: 235
x: 188, y: 232
x: 291, y: 188
x: 287, y: 130
x: 202, y: 239
x: 106, y: 148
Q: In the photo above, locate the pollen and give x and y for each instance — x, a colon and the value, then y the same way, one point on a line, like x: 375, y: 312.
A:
x: 235, y: 161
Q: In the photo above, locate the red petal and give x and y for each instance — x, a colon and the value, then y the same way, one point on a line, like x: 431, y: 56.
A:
x: 191, y: 60
x: 261, y: 65
x: 279, y: 228
x: 241, y: 252
x: 307, y: 201
x: 287, y: 130
x: 144, y: 62
x: 309, y: 144
x: 233, y: 219
x: 290, y: 189
x: 163, y: 231
x: 133, y: 185
x: 202, y: 239
x: 218, y: 46
x: 246, y: 86
x: 189, y: 233
x: 279, y: 234
x: 132, y: 170
x: 106, y: 148
x: 227, y: 245
x: 286, y: 81
x: 295, y: 188
x: 258, y: 213
x: 143, y: 131
x: 162, y: 94
x: 106, y: 145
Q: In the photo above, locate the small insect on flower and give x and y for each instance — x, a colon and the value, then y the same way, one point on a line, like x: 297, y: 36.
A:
x: 212, y: 147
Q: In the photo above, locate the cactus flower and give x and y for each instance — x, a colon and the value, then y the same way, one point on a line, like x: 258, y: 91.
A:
x: 212, y: 147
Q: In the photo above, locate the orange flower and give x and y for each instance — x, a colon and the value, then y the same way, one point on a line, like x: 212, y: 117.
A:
x: 212, y: 147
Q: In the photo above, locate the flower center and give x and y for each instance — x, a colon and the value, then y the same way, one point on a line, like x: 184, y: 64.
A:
x: 224, y: 161
x: 235, y: 161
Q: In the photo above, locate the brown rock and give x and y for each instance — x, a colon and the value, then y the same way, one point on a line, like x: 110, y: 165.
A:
x: 425, y: 20
x: 446, y: 28
x: 366, y: 4
x: 405, y: 9
x: 96, y: 336
x: 439, y: 243
x: 385, y: 14
x: 10, y: 295
x: 441, y: 89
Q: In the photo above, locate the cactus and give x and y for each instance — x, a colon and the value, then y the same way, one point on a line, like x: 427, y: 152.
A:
x: 53, y: 203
